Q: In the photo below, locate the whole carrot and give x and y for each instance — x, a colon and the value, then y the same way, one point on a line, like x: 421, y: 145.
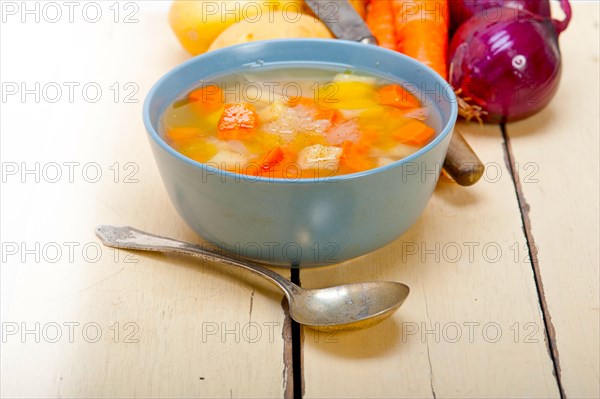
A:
x: 380, y: 19
x: 422, y: 31
x: 360, y: 6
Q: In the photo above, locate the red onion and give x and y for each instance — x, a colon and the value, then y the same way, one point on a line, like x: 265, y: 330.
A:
x: 461, y: 10
x: 507, y: 64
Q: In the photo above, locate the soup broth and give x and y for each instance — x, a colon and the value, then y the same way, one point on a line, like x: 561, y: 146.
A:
x: 300, y: 122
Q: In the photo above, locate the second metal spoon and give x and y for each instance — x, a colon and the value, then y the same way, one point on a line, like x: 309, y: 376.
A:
x: 348, y: 306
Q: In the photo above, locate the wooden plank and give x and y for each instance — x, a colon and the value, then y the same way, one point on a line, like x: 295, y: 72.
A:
x: 557, y: 154
x: 139, y: 326
x: 472, y: 325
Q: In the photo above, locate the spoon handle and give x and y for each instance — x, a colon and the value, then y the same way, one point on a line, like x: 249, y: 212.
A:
x: 132, y: 238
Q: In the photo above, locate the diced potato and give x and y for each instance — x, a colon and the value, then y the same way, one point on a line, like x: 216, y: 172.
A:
x: 347, y: 95
x: 383, y: 161
x: 261, y: 96
x: 320, y: 157
x: 417, y: 113
x: 229, y: 160
x: 235, y: 146
x: 305, y: 139
x: 271, y: 112
x: 212, y: 120
x: 349, y: 77
x: 295, y: 120
x: 198, y: 149
x: 350, y: 113
x: 398, y: 151
x: 347, y: 131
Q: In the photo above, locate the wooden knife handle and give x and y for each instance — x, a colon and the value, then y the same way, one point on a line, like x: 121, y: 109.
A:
x: 462, y: 164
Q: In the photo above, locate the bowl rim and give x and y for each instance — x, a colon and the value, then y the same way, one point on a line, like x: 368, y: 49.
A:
x: 447, y: 129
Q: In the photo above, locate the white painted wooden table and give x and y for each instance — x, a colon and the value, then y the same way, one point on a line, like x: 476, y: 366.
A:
x: 484, y: 318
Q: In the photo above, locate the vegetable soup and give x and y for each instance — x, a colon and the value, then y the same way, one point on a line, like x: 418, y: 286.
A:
x: 320, y: 123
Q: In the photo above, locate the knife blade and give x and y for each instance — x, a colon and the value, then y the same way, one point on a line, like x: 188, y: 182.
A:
x: 342, y: 20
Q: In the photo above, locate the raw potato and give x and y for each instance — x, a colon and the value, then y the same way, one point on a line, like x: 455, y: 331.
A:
x: 281, y: 26
x: 197, y: 23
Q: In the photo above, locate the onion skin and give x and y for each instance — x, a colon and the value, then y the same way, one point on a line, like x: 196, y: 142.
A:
x: 462, y: 10
x: 507, y: 63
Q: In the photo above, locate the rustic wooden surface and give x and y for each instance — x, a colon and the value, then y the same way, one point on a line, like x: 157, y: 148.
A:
x: 559, y: 161
x: 482, y: 319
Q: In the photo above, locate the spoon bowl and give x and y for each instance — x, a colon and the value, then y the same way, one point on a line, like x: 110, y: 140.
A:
x: 348, y: 306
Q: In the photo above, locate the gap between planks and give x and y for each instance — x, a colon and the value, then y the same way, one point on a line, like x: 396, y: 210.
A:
x: 532, y: 249
x: 293, y: 341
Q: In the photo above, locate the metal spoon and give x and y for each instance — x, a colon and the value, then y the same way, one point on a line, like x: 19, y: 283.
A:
x: 348, y: 306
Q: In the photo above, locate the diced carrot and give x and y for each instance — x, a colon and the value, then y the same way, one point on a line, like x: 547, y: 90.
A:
x: 182, y: 133
x: 367, y: 138
x: 331, y: 115
x: 238, y: 117
x: 305, y: 101
x: 397, y: 96
x: 235, y: 134
x: 206, y: 99
x: 414, y: 133
x: 357, y: 163
x: 289, y: 153
x: 422, y: 138
x: 346, y: 149
x: 275, y: 156
x: 350, y: 148
x: 354, y: 157
x: 251, y: 169
x: 408, y: 130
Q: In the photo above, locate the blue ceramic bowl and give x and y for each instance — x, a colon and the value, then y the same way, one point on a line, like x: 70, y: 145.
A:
x: 304, y: 222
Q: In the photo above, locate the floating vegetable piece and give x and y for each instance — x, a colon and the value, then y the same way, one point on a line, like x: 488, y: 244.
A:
x: 347, y: 95
x: 320, y: 157
x: 414, y: 133
x: 238, y: 116
x: 352, y: 77
x: 275, y: 156
x: 354, y: 157
x: 183, y: 133
x: 206, y: 99
x: 347, y: 131
x: 271, y: 112
x: 397, y: 96
x: 331, y: 115
x: 199, y: 150
x: 229, y: 160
